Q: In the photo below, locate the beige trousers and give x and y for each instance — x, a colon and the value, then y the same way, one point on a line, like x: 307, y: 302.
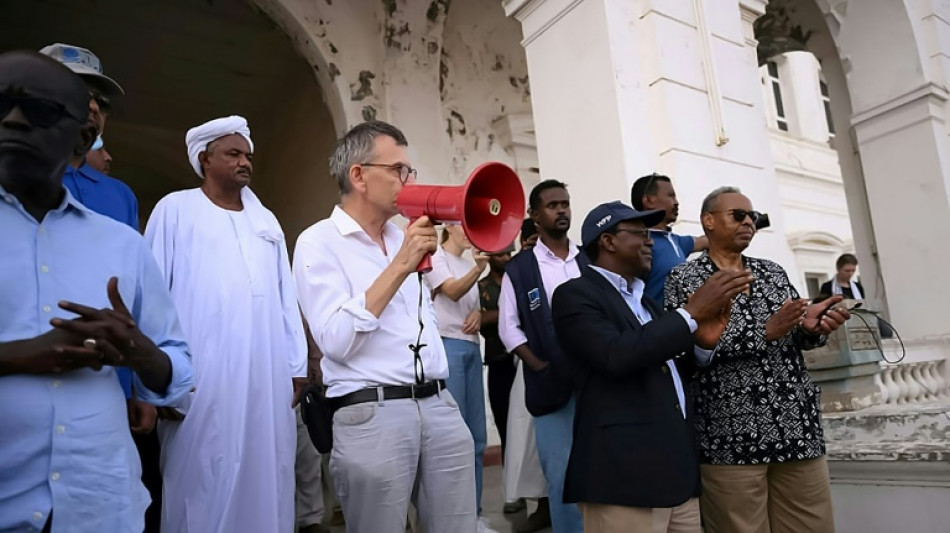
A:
x: 599, y: 518
x: 790, y: 497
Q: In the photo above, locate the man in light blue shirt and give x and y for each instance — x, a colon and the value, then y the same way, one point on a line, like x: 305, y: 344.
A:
x: 79, y: 295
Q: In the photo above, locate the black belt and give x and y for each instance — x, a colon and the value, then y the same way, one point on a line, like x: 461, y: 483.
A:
x: 390, y: 392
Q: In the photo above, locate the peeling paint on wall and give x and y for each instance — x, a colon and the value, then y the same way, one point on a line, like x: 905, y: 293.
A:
x: 436, y: 8
x: 393, y: 35
x: 364, y: 87
x: 483, y: 76
x: 369, y: 113
x: 334, y: 71
x: 390, y: 7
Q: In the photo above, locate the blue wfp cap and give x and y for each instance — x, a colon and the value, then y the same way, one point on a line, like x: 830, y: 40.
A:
x: 606, y: 216
x: 83, y: 62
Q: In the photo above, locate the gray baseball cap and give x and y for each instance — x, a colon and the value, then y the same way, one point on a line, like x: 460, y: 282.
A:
x: 83, y: 62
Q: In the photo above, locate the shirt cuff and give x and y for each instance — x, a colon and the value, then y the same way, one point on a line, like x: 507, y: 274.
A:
x: 703, y: 356
x: 693, y: 326
x: 183, y: 379
x: 363, y: 320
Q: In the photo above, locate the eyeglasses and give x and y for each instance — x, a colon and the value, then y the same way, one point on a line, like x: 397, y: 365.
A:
x: 40, y: 112
x: 739, y: 215
x: 403, y: 170
x: 105, y: 105
x: 644, y: 233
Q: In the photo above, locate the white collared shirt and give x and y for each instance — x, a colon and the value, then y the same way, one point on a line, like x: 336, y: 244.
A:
x: 554, y: 272
x: 335, y: 262
x: 633, y: 296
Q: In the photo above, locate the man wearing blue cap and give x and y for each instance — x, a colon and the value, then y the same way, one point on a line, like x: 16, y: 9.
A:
x: 633, y: 463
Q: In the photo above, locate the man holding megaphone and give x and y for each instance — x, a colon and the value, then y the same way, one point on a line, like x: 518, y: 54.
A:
x: 397, y: 432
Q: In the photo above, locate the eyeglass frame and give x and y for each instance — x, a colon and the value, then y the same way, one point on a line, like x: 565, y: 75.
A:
x: 739, y: 215
x: 17, y: 103
x: 395, y: 166
x: 644, y: 233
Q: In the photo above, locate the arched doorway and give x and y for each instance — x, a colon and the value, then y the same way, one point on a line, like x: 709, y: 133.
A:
x: 183, y: 62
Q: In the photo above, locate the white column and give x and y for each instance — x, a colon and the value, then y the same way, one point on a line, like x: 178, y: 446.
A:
x: 621, y: 89
x: 799, y: 72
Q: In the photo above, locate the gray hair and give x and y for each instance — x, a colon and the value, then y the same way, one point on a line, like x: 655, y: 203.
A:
x: 356, y: 147
x: 709, y: 203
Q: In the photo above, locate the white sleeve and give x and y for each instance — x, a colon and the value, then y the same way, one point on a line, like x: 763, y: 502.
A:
x: 440, y: 271
x: 293, y: 325
x: 338, y: 319
x: 509, y: 326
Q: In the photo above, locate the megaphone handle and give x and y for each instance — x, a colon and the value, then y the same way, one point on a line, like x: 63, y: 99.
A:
x: 425, y: 265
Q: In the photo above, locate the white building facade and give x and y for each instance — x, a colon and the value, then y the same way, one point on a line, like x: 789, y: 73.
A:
x: 594, y: 93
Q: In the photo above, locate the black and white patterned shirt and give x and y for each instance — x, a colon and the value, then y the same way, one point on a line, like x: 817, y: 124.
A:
x: 756, y: 402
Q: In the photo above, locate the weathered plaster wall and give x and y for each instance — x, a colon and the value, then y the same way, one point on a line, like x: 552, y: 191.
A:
x: 483, y: 78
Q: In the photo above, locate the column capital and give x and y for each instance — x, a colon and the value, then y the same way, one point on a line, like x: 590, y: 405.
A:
x: 752, y: 9
x: 537, y: 16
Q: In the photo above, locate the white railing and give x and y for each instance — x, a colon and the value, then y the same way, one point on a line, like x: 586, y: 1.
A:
x: 917, y: 382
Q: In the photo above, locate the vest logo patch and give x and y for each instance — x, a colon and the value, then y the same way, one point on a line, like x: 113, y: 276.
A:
x: 534, y: 299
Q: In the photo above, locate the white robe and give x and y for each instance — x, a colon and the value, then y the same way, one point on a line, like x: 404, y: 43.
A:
x: 229, y: 466
x: 523, y: 477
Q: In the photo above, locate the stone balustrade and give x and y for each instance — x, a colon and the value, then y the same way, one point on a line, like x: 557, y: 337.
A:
x: 915, y: 382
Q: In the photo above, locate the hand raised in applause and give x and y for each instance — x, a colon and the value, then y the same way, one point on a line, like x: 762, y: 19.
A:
x: 785, y: 319
x: 825, y: 317
x: 711, y: 305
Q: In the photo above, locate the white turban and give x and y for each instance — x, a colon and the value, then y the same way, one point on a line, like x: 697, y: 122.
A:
x: 198, y: 138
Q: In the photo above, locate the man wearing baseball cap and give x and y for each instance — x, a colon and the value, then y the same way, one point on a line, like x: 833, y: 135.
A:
x: 633, y: 462
x: 112, y: 198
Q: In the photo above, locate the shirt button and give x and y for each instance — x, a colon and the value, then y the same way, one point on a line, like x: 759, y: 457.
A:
x: 678, y: 408
x: 41, y: 230
x: 37, y: 516
x: 56, y: 384
x: 665, y: 369
x: 44, y: 269
x: 60, y: 429
x: 47, y: 309
x: 55, y: 476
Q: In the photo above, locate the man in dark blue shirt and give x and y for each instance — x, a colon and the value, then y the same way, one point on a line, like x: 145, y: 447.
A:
x: 669, y: 249
x: 100, y: 193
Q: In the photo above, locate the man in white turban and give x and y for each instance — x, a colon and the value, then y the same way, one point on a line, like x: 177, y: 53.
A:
x: 228, y: 466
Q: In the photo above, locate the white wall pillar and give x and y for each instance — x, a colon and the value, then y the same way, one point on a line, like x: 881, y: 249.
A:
x: 799, y: 73
x: 621, y: 89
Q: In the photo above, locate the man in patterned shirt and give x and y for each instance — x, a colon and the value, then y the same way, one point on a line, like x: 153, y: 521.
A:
x: 758, y: 420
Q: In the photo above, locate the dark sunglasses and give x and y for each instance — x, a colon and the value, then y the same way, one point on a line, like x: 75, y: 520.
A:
x: 739, y: 215
x: 40, y: 112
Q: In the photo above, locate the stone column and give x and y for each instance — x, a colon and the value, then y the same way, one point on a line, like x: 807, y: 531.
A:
x: 621, y: 89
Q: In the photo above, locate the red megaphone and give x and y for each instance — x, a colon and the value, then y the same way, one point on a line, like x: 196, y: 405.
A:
x: 490, y: 207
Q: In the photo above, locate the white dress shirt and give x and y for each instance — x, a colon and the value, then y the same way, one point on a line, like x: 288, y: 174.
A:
x: 632, y: 295
x: 554, y: 271
x: 335, y: 262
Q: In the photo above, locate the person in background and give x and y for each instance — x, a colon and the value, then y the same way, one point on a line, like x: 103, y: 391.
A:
x: 526, y: 330
x: 452, y: 282
x: 655, y: 191
x: 98, y: 158
x: 843, y: 282
x: 229, y: 464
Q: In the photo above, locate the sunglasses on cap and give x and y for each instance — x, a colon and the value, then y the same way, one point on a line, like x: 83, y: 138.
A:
x: 739, y: 215
x: 40, y: 112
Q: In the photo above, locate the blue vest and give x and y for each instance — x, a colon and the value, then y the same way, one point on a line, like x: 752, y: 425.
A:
x: 548, y: 390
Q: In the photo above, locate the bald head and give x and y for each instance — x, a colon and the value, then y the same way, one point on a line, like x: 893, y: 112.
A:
x: 43, y: 110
